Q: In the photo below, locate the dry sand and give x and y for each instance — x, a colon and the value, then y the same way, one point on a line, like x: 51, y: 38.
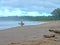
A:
x: 30, y: 35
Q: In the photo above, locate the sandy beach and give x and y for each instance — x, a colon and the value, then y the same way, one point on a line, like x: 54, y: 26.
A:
x: 30, y: 35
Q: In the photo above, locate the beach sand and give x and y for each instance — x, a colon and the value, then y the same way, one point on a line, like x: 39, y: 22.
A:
x: 30, y: 35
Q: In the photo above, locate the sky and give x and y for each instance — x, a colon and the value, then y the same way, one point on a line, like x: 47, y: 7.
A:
x: 28, y: 7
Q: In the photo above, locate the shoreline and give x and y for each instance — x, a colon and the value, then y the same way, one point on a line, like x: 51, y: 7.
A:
x: 25, y: 26
x: 12, y: 25
x: 26, y: 33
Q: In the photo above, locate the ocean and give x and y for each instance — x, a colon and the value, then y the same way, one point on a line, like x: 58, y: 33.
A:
x: 10, y: 24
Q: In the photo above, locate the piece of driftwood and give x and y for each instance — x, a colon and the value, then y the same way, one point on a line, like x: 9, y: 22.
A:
x: 15, y: 43
x: 49, y: 36
x: 55, y: 31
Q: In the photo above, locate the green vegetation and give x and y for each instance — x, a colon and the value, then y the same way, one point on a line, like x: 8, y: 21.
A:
x: 29, y: 18
x: 56, y: 14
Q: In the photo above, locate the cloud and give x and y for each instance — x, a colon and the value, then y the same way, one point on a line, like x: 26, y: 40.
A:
x: 33, y: 14
x: 18, y: 12
x: 15, y: 12
x: 32, y: 5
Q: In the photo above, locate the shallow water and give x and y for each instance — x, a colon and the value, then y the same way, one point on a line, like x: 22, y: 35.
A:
x: 10, y: 24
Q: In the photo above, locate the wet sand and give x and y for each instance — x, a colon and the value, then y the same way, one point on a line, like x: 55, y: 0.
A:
x: 30, y: 35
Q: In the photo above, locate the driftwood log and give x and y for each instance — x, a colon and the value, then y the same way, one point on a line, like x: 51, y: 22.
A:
x: 49, y: 36
x: 55, y: 31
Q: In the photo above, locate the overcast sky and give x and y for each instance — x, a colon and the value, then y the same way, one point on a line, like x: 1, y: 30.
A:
x: 28, y: 7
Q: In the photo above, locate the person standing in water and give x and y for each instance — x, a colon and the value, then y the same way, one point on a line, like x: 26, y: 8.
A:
x: 21, y: 23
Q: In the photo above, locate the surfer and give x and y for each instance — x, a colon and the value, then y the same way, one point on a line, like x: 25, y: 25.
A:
x: 21, y: 23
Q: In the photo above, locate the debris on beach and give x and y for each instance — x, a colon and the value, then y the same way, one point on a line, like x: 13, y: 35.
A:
x: 49, y: 36
x: 14, y: 43
x: 44, y: 41
x: 55, y: 31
